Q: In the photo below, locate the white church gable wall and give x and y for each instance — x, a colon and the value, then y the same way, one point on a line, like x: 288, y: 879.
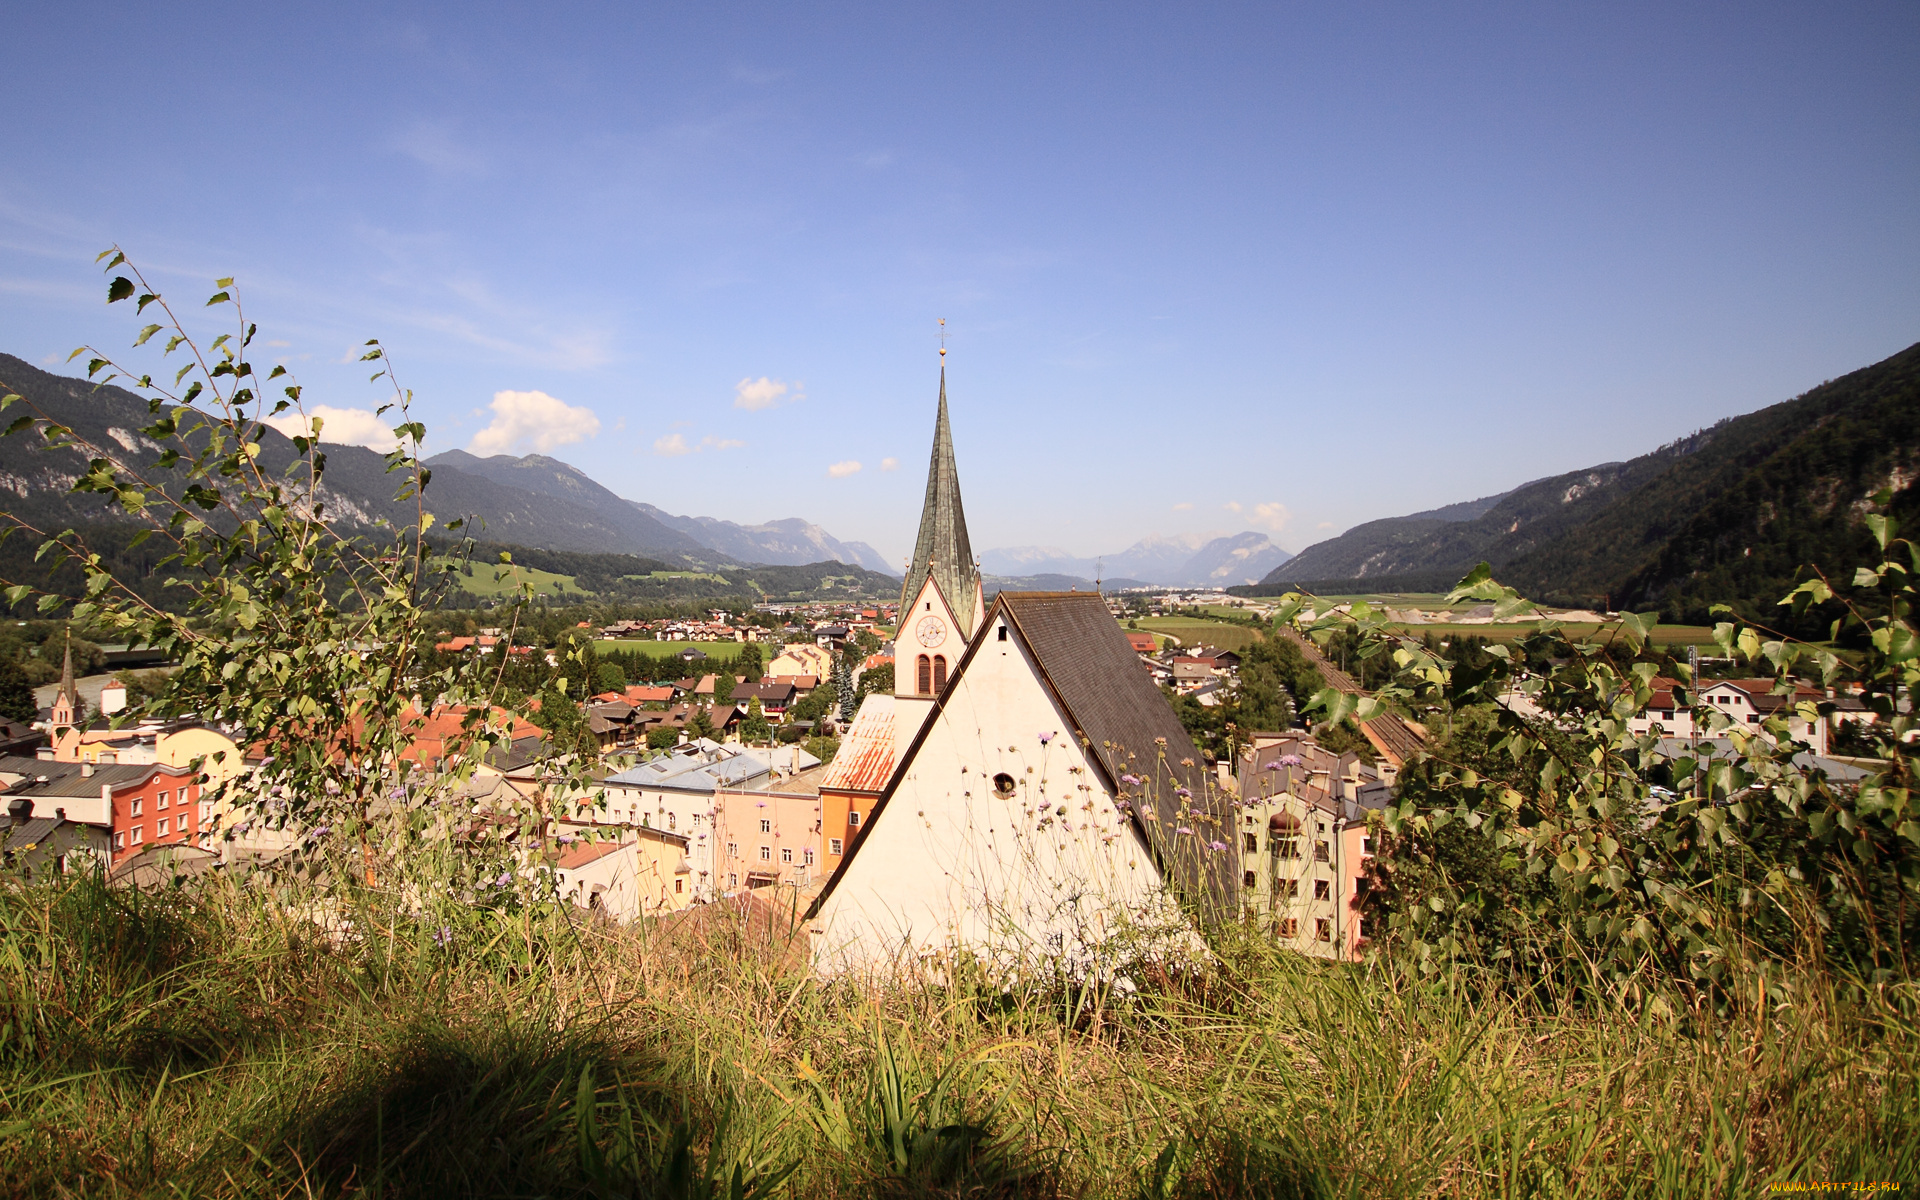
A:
x: 1050, y: 870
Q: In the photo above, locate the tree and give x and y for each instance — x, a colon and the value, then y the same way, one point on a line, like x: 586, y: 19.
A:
x: 313, y: 638
x: 749, y: 664
x: 843, y: 687
x: 874, y: 679
x: 701, y: 726
x: 723, y: 685
x: 755, y: 728
x: 16, y: 694
x: 609, y: 676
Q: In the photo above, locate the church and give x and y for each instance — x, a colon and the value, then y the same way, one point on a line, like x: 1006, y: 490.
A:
x: 1026, y: 796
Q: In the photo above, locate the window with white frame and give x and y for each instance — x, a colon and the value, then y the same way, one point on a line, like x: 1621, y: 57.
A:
x: 766, y: 826
x: 833, y: 845
x: 766, y: 854
x: 786, y: 854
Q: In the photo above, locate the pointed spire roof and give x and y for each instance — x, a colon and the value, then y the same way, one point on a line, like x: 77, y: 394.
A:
x: 942, y: 551
x: 67, y: 688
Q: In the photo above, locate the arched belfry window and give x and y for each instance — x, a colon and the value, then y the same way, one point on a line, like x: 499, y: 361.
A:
x: 923, y: 678
x: 939, y: 673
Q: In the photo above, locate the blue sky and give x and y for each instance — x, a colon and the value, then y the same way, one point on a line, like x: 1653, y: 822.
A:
x: 1286, y: 267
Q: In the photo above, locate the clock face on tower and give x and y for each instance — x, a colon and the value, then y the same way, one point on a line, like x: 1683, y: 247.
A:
x: 931, y: 631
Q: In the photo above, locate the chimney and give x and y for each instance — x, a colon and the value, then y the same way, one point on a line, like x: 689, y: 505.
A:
x: 86, y: 770
x: 20, y: 810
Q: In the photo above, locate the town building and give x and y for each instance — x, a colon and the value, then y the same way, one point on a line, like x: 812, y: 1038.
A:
x: 1304, y: 840
x: 633, y: 874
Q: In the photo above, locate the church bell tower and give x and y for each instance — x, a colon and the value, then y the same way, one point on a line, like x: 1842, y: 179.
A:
x: 941, y: 601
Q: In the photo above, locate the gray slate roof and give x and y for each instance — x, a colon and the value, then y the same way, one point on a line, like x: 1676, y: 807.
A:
x: 1086, y: 658
x: 942, y: 550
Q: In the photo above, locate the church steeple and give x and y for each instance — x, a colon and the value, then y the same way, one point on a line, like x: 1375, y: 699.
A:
x: 66, y: 701
x: 942, y: 552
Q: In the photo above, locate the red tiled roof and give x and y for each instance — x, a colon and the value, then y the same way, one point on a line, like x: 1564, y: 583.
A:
x: 586, y: 852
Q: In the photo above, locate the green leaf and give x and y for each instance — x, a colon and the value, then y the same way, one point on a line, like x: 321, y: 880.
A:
x: 224, y: 283
x: 119, y: 289
x: 145, y: 300
x: 146, y: 333
x: 218, y: 298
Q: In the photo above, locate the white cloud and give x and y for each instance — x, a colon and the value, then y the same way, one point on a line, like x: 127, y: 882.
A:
x: 1232, y: 506
x: 1324, y: 525
x: 675, y: 444
x: 533, y: 420
x: 756, y: 394
x: 341, y: 426
x: 1184, y: 506
x: 841, y: 470
x: 1273, y: 516
x: 889, y: 464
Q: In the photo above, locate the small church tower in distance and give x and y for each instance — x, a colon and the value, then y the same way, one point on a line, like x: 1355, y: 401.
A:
x: 941, y: 602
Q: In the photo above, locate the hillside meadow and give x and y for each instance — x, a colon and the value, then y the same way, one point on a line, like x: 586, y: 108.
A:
x: 213, y: 1043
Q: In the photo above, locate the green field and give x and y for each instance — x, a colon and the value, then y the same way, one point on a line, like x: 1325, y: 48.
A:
x: 722, y: 651
x: 1193, y: 632
x: 493, y: 581
x: 707, y: 575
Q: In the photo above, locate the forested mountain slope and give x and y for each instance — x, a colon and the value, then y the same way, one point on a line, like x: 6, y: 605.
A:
x: 1731, y: 514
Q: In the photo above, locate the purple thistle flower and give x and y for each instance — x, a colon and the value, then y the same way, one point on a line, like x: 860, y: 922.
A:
x: 1183, y: 829
x: 444, y: 938
x: 1130, y: 780
x: 1183, y: 793
x: 505, y: 878
x: 1290, y: 760
x: 323, y: 831
x: 1217, y: 847
x: 1045, y: 738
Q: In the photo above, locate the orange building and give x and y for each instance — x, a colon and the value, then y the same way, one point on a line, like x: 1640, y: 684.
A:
x: 855, y: 778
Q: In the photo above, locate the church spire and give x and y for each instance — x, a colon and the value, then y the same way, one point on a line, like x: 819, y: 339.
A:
x: 942, y: 551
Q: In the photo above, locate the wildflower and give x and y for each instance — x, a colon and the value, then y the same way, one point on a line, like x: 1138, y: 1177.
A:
x: 1290, y: 760
x: 1217, y: 847
x: 1045, y: 738
x: 323, y: 831
x: 1130, y: 780
x: 504, y: 879
x: 444, y: 938
x: 1183, y: 829
x: 1183, y: 793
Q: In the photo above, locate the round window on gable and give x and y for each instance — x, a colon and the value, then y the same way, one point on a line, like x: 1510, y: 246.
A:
x: 1003, y: 785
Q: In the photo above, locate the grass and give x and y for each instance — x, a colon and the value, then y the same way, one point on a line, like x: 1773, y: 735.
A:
x: 1193, y: 632
x: 490, y: 581
x: 706, y: 575
x: 720, y: 651
x: 215, y: 1045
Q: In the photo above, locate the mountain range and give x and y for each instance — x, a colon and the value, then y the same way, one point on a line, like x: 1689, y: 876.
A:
x: 1733, y: 514
x: 533, y: 501
x: 789, y: 542
x: 1188, y: 560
